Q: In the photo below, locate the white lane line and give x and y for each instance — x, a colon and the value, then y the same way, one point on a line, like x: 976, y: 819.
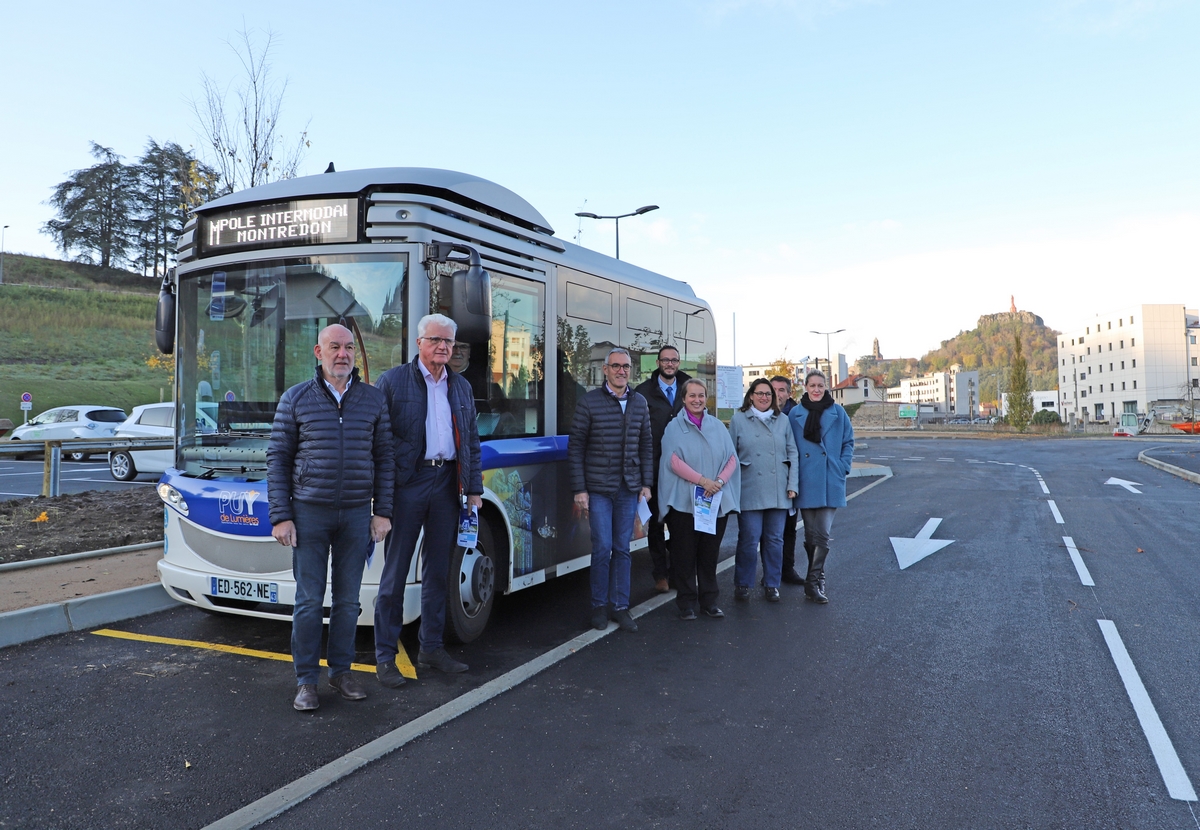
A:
x: 1054, y: 509
x: 975, y: 461
x: 1085, y: 577
x: 1169, y: 766
x: 1045, y: 489
x: 883, y: 456
x: 922, y: 458
x: 945, y: 459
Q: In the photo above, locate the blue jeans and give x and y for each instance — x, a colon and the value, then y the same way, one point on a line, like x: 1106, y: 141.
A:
x: 757, y: 527
x: 319, y: 531
x: 611, y: 522
x: 428, y: 501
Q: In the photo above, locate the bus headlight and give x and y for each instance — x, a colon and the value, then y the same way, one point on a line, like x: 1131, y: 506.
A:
x: 173, y: 497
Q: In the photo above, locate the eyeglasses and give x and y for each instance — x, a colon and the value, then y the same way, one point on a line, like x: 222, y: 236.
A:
x: 668, y: 360
x: 439, y: 341
x: 764, y: 394
x: 619, y: 367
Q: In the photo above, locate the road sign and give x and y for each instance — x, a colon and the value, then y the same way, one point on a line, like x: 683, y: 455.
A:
x: 908, y: 410
x: 911, y: 551
x: 26, y: 401
x: 1128, y: 485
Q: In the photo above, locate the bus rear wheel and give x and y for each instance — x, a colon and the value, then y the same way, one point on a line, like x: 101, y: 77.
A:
x: 471, y: 588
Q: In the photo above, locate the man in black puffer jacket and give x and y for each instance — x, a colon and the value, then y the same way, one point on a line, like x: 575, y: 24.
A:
x: 610, y: 457
x: 329, y: 457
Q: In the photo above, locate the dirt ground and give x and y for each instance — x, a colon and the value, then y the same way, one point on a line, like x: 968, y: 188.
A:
x: 40, y: 527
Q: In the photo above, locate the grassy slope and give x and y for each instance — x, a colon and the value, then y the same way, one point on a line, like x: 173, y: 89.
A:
x: 76, y: 334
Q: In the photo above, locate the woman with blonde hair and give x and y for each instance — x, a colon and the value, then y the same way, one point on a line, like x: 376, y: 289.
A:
x: 698, y: 471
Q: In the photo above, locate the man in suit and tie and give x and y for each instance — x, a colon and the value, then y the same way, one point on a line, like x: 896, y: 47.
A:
x: 663, y: 391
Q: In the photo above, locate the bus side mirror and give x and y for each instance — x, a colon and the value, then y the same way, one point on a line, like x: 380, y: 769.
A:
x: 471, y: 303
x: 164, y: 318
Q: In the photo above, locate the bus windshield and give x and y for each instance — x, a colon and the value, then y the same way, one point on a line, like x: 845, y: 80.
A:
x: 247, y: 333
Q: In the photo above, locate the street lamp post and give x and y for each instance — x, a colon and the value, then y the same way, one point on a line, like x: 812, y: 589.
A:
x: 638, y: 212
x: 828, y: 353
x: 2, y: 230
x: 1187, y: 345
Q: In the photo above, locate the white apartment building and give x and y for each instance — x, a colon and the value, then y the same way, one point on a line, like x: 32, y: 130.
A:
x: 1047, y: 399
x: 765, y: 370
x: 953, y: 393
x: 1128, y: 361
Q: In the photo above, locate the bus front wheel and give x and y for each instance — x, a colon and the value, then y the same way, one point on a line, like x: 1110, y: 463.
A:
x: 471, y: 589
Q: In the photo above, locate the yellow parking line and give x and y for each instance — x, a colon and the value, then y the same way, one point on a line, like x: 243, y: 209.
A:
x: 402, y: 661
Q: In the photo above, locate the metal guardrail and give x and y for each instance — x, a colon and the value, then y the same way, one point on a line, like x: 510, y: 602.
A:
x: 52, y: 452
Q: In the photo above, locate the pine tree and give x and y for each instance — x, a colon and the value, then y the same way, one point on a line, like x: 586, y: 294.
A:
x: 1020, y: 399
x: 170, y: 183
x: 96, y: 209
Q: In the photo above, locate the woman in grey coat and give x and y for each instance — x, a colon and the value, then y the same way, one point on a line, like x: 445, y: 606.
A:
x: 697, y: 454
x: 825, y: 440
x: 766, y: 451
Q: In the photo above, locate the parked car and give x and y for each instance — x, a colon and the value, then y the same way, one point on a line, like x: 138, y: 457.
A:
x: 64, y: 422
x: 152, y: 420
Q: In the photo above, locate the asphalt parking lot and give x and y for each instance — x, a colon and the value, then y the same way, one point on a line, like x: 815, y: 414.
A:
x: 23, y: 479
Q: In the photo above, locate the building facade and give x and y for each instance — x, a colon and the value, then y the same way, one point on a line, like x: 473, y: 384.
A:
x: 953, y: 393
x: 1129, y: 361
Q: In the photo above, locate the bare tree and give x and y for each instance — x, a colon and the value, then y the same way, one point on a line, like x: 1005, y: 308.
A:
x: 247, y: 147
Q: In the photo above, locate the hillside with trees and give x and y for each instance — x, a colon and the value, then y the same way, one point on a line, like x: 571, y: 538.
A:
x: 78, y: 334
x: 989, y: 348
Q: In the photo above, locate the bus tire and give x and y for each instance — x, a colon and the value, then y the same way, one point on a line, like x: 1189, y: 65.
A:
x: 471, y: 587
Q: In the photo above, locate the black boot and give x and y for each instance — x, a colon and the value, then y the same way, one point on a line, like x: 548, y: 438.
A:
x: 788, y: 574
x: 814, y: 584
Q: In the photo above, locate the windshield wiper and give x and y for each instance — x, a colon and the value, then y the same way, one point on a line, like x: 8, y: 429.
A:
x: 211, y: 470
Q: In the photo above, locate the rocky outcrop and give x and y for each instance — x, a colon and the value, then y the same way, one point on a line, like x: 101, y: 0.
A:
x: 1011, y: 317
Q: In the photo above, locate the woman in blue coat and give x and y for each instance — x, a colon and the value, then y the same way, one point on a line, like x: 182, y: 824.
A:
x: 825, y: 441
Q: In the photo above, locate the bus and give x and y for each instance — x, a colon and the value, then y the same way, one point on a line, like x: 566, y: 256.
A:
x: 260, y: 272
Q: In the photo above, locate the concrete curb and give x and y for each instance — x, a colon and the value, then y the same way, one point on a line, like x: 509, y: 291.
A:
x: 1168, y: 468
x: 27, y: 624
x: 71, y: 557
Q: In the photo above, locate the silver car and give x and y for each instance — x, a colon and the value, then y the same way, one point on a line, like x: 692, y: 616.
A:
x: 64, y: 422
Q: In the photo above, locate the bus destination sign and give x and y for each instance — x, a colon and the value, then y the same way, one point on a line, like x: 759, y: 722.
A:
x: 304, y: 222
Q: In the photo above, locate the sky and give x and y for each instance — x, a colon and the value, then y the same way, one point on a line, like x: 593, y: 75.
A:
x: 894, y: 168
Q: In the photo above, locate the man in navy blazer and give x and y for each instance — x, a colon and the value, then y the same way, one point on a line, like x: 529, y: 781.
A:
x: 438, y: 473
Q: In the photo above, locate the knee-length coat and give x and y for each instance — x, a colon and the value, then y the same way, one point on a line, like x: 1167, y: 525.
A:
x: 824, y: 466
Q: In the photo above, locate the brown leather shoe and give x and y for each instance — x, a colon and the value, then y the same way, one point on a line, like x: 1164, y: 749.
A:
x: 306, y: 698
x: 661, y: 586
x: 348, y: 686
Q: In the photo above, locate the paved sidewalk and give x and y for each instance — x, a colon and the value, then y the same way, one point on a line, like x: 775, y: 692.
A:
x: 65, y: 581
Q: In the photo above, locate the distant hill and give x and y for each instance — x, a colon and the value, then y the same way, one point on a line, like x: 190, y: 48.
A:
x: 987, y: 348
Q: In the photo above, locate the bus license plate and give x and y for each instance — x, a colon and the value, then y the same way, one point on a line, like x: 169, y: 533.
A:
x: 244, y: 589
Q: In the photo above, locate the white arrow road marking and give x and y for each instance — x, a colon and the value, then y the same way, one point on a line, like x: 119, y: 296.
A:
x: 1085, y: 576
x: 1169, y: 766
x: 911, y: 551
x: 1128, y: 485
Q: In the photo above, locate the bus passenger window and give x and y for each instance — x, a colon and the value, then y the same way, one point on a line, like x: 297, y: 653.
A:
x: 505, y: 372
